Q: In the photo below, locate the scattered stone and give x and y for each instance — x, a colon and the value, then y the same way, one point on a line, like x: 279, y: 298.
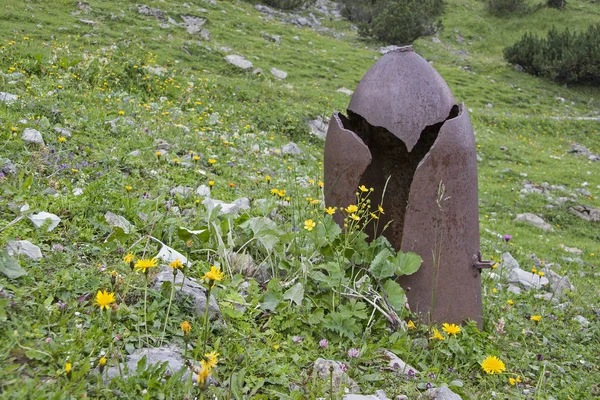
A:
x: 7, y: 97
x: 572, y: 250
x: 158, y: 71
x: 514, y: 289
x: 151, y: 12
x: 277, y: 73
x: 88, y: 21
x: 113, y: 220
x: 193, y: 24
x: 161, y: 144
x: 526, y: 279
x: 135, y: 153
x: 154, y: 355
x: 387, y: 49
x: 190, y: 288
x: 40, y: 219
x: 50, y: 192
x: 181, y: 190
x: 272, y: 38
x: 244, y: 264
x: 436, y: 40
x: 379, y: 395
x: 258, y: 71
x: 581, y: 319
x: 559, y: 285
x: 535, y: 221
x: 572, y: 260
x: 509, y: 262
x: 398, y: 365
x: 32, y: 136
x: 546, y: 297
x: 62, y: 131
x: 24, y: 247
x: 578, y: 149
x: 345, y: 91
x: 489, y: 105
x: 227, y: 208
x: 77, y: 192
x: 292, y: 148
x: 263, y: 9
x: 503, y: 148
x: 7, y: 167
x: 442, y: 393
x: 585, y: 212
x: 583, y: 192
x: 401, y: 397
x: 321, y: 368
x: 203, y: 191
x: 318, y: 127
x: 238, y: 61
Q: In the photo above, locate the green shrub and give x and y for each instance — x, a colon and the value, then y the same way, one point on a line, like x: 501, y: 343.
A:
x: 506, y: 7
x: 395, y: 21
x: 556, y: 3
x: 563, y: 56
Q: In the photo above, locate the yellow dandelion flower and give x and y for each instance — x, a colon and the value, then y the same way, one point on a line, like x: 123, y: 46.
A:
x: 102, y: 362
x: 363, y: 189
x: 541, y: 273
x: 215, y: 274
x: 203, y: 374
x: 536, y: 318
x: 514, y: 381
x: 176, y: 161
x: 351, y: 209
x: 451, y: 329
x: 186, y: 327
x: 74, y: 170
x: 275, y: 191
x: 320, y: 184
x: 309, y: 224
x: 158, y: 154
x: 68, y: 367
x: 104, y: 299
x: 268, y: 179
x: 62, y: 139
x: 493, y: 365
x: 211, y: 183
x: 437, y: 335
x: 330, y: 210
x: 510, y: 302
x: 494, y: 290
x: 315, y: 202
x: 231, y: 184
x: 143, y: 265
x: 211, y: 359
x: 196, y: 158
x: 281, y: 193
x: 410, y: 324
x: 176, y: 264
x: 128, y: 258
x: 212, y: 161
x: 311, y: 181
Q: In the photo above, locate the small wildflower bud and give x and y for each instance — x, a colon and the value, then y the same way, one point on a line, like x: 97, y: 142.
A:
x: 102, y: 364
x: 113, y: 277
x: 114, y: 308
x: 189, y: 243
x: 186, y: 327
x: 323, y: 343
x: 158, y: 154
x: 68, y: 369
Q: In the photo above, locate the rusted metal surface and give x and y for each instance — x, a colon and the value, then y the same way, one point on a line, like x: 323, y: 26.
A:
x: 403, y: 94
x: 404, y: 129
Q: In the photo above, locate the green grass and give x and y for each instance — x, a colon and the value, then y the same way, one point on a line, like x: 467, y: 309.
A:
x: 73, y: 77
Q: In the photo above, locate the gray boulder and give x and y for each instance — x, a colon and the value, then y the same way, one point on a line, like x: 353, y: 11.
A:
x: 227, y: 208
x: 115, y: 220
x: 534, y: 220
x: 238, y: 61
x: 398, y: 365
x: 32, y: 136
x: 277, y: 73
x: 509, y: 262
x: 442, y: 393
x: 322, y: 367
x: 291, y: 148
x: 585, y: 212
x: 7, y: 97
x: 526, y: 279
x: 318, y: 127
x: 24, y: 247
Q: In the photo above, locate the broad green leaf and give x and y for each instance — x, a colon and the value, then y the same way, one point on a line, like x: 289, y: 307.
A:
x: 295, y: 294
x: 395, y: 294
x: 407, y: 263
x: 9, y: 266
x: 270, y: 301
x: 382, y: 265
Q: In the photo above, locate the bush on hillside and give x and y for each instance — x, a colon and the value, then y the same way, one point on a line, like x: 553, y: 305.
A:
x: 395, y: 21
x: 556, y: 3
x: 506, y: 7
x: 563, y: 56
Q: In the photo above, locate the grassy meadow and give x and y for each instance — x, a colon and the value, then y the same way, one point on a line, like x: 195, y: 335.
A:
x: 131, y: 107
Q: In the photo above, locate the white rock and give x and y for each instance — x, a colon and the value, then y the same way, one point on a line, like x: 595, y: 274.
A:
x: 572, y: 250
x: 321, y: 368
x: 203, y: 191
x: 227, y: 208
x: 25, y: 247
x: 118, y: 221
x: 181, y: 190
x: 77, y: 192
x: 32, y: 136
x: 581, y: 319
x: 291, y: 148
x: 527, y: 279
x: 514, y: 289
x: 135, y: 153
x: 7, y: 97
x: 509, y: 262
x: 442, y: 393
x: 345, y: 91
x: 277, y: 73
x: 387, y: 49
x: 238, y: 61
x: 399, y: 366
x: 379, y: 395
x: 318, y: 127
x: 40, y: 218
x: 558, y: 284
x: 62, y: 131
x: 535, y: 221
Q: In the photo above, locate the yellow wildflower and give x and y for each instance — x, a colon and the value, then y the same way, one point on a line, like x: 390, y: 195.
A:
x: 309, y: 224
x: 330, y: 210
x: 451, y: 329
x: 363, y: 188
x: 211, y: 183
x: 351, y: 209
x: 215, y: 274
x: 186, y: 327
x: 176, y: 264
x: 514, y: 381
x: 196, y: 158
x: 128, y: 258
x: 104, y: 299
x: 374, y: 216
x: 62, y: 139
x: 143, y: 265
x: 493, y: 365
x: 355, y: 217
x: 203, y: 374
x: 510, y: 302
x: 536, y: 318
x: 380, y: 209
x: 74, y: 170
x: 437, y: 335
x: 211, y: 359
x: 320, y: 184
x: 410, y: 324
x: 212, y: 161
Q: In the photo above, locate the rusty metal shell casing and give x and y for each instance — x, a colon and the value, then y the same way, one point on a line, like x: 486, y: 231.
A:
x: 404, y: 133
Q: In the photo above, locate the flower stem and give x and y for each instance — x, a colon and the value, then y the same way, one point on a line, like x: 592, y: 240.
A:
x: 145, y: 309
x: 168, y: 309
x: 205, y: 331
